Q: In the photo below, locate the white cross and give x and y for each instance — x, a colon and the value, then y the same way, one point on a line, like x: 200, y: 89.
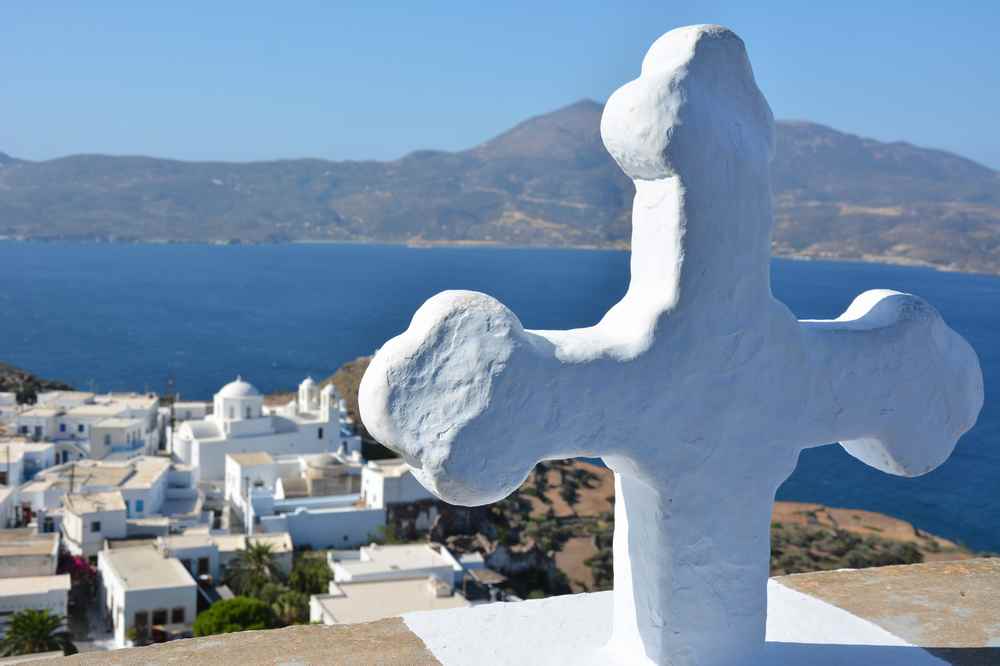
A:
x: 698, y: 389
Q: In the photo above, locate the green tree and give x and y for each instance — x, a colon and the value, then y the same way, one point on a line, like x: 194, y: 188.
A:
x: 31, y: 631
x: 254, y: 568
x: 291, y: 607
x: 236, y: 614
x: 310, y: 575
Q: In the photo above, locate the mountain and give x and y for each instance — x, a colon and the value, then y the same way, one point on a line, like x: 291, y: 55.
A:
x: 547, y: 181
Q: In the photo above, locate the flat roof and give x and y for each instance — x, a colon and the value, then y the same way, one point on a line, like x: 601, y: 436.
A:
x: 91, y: 502
x: 11, y: 587
x: 281, y: 542
x: 41, y: 411
x: 145, y: 568
x: 389, y: 467
x: 401, y: 558
x: 117, y: 422
x: 96, y: 410
x: 23, y: 541
x: 367, y: 602
x: 251, y: 459
x: 137, y: 473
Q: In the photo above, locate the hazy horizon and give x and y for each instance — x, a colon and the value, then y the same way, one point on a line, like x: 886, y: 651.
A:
x: 239, y: 82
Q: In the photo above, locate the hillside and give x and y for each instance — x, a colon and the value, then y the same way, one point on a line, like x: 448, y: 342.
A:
x: 566, y: 508
x: 547, y: 181
x: 25, y: 384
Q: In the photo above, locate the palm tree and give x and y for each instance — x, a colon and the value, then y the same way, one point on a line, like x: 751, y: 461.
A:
x: 291, y: 608
x: 31, y: 631
x: 254, y: 567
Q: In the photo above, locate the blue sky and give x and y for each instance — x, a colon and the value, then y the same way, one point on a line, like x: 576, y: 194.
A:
x: 248, y: 80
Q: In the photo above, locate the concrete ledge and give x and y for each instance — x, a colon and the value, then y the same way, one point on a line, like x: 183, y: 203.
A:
x: 928, y: 614
x: 383, y: 643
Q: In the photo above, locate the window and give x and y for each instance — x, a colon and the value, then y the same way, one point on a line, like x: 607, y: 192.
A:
x: 107, y: 440
x: 232, y: 413
x: 248, y: 412
x: 128, y: 508
x: 80, y: 428
x: 24, y: 430
x: 177, y: 616
x: 140, y: 505
x: 48, y: 525
x: 141, y: 622
x: 319, y: 434
x: 95, y: 526
x: 62, y: 427
x: 160, y: 616
x: 202, y: 566
x: 38, y: 431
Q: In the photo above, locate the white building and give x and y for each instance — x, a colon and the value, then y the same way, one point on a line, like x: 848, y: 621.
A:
x: 241, y: 423
x: 386, y: 482
x: 49, y: 593
x: 191, y: 410
x: 8, y: 408
x: 25, y: 553
x: 150, y: 486
x: 145, y: 591
x: 205, y: 554
x: 96, y: 426
x: 378, y: 563
x: 315, y: 498
x: 91, y: 518
x: 366, y: 602
x: 21, y: 459
x: 389, y: 580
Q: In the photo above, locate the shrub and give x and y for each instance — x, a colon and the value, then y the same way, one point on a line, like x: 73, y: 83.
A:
x: 232, y: 615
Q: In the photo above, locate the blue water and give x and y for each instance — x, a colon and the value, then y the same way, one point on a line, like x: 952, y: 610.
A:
x: 114, y: 317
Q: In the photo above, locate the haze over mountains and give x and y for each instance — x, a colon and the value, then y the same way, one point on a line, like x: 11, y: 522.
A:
x: 547, y: 181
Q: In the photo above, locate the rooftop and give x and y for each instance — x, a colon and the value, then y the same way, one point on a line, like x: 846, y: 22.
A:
x: 144, y: 568
x: 251, y: 459
x: 79, y: 503
x: 24, y: 541
x: 395, y: 559
x: 390, y: 467
x: 136, y: 473
x: 365, y: 602
x: 14, y: 587
x: 117, y: 422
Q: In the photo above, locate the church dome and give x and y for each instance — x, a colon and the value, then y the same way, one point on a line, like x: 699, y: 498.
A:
x: 238, y: 389
x: 308, y: 381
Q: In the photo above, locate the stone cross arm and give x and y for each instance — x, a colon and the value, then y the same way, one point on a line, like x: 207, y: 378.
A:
x: 698, y: 388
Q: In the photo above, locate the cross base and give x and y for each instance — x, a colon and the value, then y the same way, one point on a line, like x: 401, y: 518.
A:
x: 575, y: 629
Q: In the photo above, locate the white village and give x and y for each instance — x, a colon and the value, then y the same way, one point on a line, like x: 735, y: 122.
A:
x: 142, y: 516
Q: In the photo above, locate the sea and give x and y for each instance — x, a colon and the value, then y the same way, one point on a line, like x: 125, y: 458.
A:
x: 120, y: 317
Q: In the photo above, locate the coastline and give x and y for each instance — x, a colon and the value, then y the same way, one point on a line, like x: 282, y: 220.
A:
x: 881, y: 260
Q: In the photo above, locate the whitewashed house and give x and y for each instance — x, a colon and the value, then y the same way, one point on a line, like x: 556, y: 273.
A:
x: 21, y: 459
x: 8, y: 408
x: 120, y: 425
x: 386, y: 581
x: 49, y: 593
x: 25, y: 553
x: 206, y: 554
x: 89, y: 519
x: 241, y: 423
x: 314, y: 498
x: 141, y: 589
x: 157, y: 494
